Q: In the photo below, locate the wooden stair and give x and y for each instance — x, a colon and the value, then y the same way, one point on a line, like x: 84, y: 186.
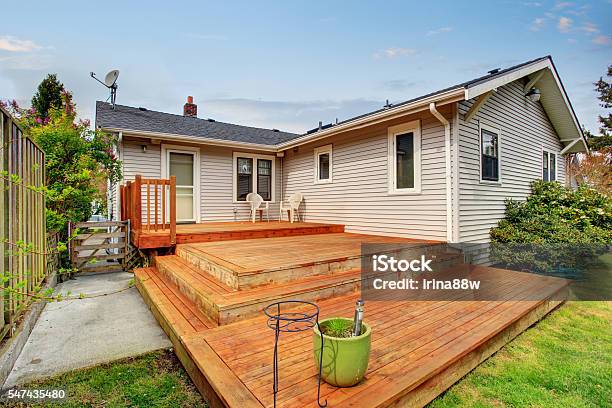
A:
x: 224, y: 305
x: 233, y: 280
x: 249, y: 264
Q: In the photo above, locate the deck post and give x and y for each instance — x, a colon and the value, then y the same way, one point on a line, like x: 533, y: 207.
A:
x: 136, y: 215
x: 172, y: 210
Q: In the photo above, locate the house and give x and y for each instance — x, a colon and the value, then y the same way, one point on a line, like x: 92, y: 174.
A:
x: 436, y: 167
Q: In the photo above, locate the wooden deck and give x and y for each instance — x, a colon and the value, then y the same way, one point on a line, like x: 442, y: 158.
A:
x: 419, y: 349
x: 223, y: 231
x: 255, y: 262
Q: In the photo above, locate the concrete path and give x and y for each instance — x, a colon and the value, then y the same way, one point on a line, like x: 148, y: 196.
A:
x: 79, y: 333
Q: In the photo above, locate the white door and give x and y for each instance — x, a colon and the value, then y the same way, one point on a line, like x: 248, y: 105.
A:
x: 182, y: 165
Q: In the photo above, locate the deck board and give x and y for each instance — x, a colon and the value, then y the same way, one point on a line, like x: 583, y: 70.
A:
x: 419, y: 348
x: 223, y: 231
x: 253, y: 256
x: 412, y: 342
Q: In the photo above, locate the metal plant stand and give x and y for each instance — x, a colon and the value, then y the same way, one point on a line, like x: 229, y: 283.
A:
x: 293, y: 321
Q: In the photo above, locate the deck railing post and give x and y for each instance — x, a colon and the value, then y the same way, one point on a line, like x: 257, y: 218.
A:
x: 137, y: 205
x: 172, y: 210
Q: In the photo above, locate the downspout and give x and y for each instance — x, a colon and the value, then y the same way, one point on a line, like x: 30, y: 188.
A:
x: 447, y: 167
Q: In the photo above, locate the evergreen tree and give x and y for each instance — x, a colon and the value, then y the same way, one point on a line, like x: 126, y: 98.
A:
x: 604, y: 140
x: 48, y: 95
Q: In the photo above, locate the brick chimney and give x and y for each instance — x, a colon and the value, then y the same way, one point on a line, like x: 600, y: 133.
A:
x: 190, y: 108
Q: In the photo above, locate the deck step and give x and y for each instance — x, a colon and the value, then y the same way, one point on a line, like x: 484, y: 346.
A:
x: 168, y: 304
x: 224, y: 305
x: 248, y: 264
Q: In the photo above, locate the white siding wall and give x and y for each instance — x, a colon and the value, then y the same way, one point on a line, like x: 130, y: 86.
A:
x: 358, y: 196
x: 216, y: 174
x: 216, y: 166
x: 525, y: 129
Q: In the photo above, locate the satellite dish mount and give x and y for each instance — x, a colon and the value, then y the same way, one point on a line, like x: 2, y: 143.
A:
x: 110, y: 81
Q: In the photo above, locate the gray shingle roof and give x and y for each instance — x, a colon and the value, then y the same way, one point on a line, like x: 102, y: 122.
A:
x: 127, y: 117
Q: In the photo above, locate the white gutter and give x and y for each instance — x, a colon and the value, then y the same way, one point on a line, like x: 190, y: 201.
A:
x: 447, y: 156
x: 193, y: 139
x: 450, y: 96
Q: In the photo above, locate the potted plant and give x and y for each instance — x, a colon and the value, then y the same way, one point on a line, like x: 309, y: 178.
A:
x: 345, y: 356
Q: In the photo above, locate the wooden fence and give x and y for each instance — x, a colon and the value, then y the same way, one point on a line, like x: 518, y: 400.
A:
x: 149, y: 205
x: 22, y: 224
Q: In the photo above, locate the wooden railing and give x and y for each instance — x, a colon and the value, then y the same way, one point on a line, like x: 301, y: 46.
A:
x: 150, y: 205
x: 23, y: 245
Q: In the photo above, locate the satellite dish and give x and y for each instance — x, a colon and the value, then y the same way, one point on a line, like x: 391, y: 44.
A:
x: 110, y: 81
x: 111, y: 78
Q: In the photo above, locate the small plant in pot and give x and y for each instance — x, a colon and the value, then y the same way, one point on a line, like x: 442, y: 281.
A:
x: 345, y: 355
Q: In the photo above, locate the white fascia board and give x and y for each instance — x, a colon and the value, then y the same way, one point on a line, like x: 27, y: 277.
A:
x: 502, y: 80
x: 449, y: 96
x: 193, y: 139
x: 512, y: 76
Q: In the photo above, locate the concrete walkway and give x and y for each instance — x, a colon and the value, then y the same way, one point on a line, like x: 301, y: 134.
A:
x: 79, y: 333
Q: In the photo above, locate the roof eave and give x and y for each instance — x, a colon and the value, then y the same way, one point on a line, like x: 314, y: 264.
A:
x: 191, y: 139
x: 450, y: 96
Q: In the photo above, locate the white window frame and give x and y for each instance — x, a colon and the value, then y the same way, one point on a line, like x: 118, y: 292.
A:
x: 392, y: 133
x: 166, y: 149
x: 498, y: 132
x: 549, y: 151
x: 327, y: 149
x: 235, y: 174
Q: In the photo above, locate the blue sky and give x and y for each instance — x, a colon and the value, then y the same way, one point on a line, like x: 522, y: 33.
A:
x: 288, y: 64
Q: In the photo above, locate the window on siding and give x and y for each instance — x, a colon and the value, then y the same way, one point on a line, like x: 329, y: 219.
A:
x: 244, y: 182
x: 489, y: 155
x: 404, y: 155
x: 404, y: 160
x: 323, y: 164
x: 264, y: 178
x: 253, y: 173
x: 549, y: 166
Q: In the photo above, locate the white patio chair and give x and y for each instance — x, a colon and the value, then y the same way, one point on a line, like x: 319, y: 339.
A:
x: 292, y: 206
x: 256, y: 201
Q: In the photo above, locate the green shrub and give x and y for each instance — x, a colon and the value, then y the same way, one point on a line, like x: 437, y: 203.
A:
x: 556, y: 227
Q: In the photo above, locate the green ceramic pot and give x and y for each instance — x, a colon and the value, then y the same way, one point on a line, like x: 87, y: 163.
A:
x: 345, y: 360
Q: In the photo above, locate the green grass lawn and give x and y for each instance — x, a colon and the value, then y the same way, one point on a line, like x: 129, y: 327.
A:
x: 563, y: 361
x: 152, y: 380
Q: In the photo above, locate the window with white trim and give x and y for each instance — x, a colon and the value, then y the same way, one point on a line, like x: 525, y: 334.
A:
x: 489, y: 154
x: 253, y: 172
x: 323, y: 164
x: 549, y: 165
x: 405, y: 158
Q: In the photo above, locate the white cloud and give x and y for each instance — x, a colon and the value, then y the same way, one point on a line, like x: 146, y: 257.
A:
x: 286, y: 115
x: 12, y: 44
x: 27, y: 62
x: 532, y: 4
x: 394, y: 52
x: 398, y: 84
x: 602, y: 40
x: 537, y: 24
x: 439, y: 31
x: 590, y: 28
x: 564, y: 25
x: 563, y: 4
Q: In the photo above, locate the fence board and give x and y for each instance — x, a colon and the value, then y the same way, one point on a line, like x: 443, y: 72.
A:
x: 22, y: 221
